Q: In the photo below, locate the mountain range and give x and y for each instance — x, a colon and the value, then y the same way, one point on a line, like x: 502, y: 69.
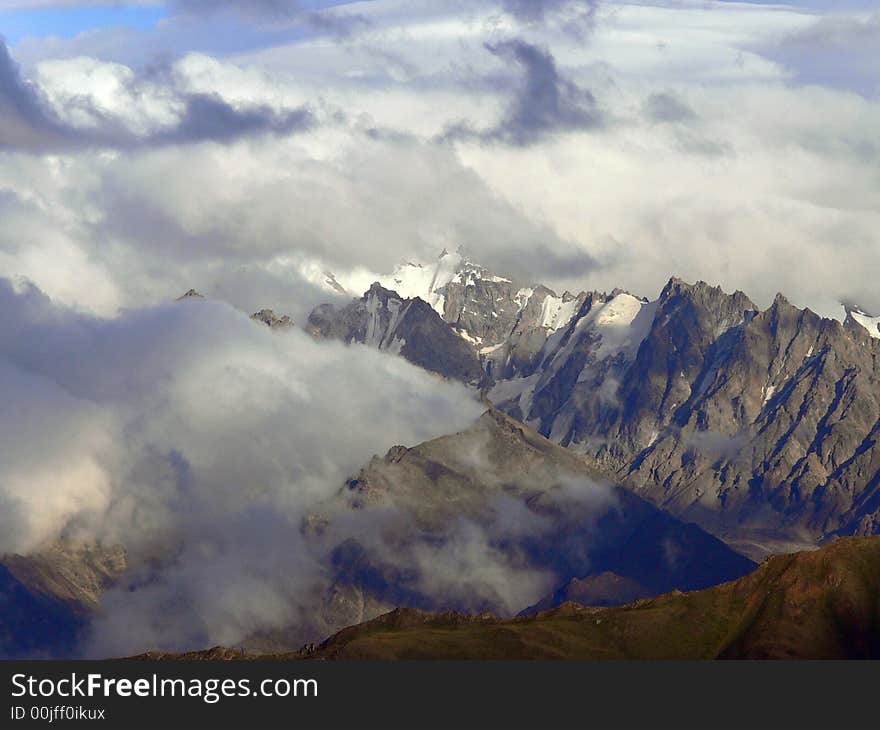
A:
x: 759, y: 425
x: 630, y: 448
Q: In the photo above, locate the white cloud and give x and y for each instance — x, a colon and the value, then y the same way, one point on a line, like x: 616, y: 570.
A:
x: 763, y: 183
x: 192, y: 435
x: 754, y: 190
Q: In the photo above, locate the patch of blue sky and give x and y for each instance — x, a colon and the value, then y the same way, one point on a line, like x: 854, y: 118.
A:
x: 71, y: 21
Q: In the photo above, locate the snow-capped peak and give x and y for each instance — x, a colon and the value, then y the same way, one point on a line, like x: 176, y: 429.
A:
x: 869, y: 322
x: 426, y: 280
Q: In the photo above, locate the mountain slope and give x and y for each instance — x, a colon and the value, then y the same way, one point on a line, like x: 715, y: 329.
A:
x: 47, y: 599
x: 532, y: 510
x: 817, y: 605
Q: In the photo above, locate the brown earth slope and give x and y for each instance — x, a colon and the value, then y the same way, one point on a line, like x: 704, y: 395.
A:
x: 815, y: 605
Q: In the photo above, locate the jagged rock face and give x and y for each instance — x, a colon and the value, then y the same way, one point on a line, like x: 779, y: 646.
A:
x: 574, y: 378
x: 760, y: 426
x: 484, y: 311
x: 508, y: 324
x: 272, y: 320
x: 746, y: 422
x: 495, y: 313
x: 409, y: 327
x: 504, y: 325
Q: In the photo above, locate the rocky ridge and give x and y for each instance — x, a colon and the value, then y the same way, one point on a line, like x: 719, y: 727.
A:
x: 761, y: 426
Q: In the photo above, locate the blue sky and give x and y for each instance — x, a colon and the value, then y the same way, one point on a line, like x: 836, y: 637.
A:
x: 76, y: 18
x: 133, y: 33
x: 69, y: 22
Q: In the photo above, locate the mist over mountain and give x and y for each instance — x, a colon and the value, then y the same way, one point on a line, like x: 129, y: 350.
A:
x: 755, y: 425
x: 167, y: 433
x: 316, y: 310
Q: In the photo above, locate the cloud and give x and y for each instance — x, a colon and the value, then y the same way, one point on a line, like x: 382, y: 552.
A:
x: 544, y: 102
x: 578, y: 16
x: 328, y: 21
x: 668, y: 107
x: 717, y: 446
x: 206, y: 444
x: 255, y: 221
x: 32, y: 4
x: 834, y: 50
x: 26, y: 121
x: 198, y: 440
x: 709, y: 196
x: 209, y: 117
x: 340, y: 25
x: 532, y: 10
x: 32, y: 124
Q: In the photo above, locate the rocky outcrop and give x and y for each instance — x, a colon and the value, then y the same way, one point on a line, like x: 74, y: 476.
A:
x: 505, y: 323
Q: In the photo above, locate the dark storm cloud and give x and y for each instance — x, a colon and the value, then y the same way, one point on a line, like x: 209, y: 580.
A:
x: 29, y: 124
x: 544, y: 101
